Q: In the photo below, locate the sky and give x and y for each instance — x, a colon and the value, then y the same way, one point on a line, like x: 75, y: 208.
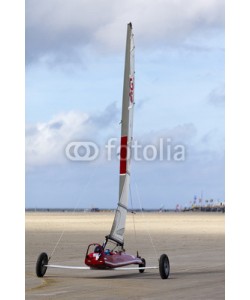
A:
x: 74, y: 75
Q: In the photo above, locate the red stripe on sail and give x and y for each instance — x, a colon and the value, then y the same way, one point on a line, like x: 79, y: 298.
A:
x: 123, y: 155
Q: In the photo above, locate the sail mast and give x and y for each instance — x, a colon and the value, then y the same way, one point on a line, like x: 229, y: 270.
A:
x: 118, y: 227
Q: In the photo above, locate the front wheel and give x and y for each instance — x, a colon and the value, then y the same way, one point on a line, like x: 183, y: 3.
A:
x: 42, y: 261
x: 164, y: 266
x: 143, y: 265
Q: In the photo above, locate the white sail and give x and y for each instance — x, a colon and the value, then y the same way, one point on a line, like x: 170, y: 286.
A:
x: 118, y: 227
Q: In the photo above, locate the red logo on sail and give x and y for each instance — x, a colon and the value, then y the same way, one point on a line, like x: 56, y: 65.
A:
x: 131, y: 89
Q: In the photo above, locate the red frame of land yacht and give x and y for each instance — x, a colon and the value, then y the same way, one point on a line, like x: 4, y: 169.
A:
x: 106, y: 259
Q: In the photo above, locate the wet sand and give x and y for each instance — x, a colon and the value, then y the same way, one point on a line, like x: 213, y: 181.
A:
x: 194, y: 243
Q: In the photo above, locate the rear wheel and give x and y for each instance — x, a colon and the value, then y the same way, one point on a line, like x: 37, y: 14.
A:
x: 40, y: 264
x: 143, y: 265
x: 164, y: 266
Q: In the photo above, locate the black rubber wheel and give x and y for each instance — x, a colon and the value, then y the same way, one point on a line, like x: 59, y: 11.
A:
x: 164, y: 266
x: 142, y: 265
x: 40, y: 264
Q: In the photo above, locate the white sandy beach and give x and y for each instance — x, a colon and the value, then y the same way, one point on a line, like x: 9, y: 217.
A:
x: 194, y: 243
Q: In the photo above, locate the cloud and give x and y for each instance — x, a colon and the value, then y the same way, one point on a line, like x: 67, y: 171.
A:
x: 181, y: 133
x: 169, y: 140
x: 142, y: 102
x: 217, y: 96
x: 106, y: 118
x: 45, y: 142
x: 60, y: 30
